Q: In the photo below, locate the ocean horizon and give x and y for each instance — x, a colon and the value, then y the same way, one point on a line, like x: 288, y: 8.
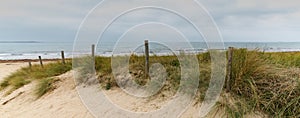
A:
x: 15, y: 50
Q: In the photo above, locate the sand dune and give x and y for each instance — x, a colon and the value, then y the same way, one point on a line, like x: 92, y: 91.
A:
x: 64, y: 101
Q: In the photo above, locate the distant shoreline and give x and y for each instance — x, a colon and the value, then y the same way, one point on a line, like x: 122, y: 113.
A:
x: 29, y: 60
x: 19, y: 42
x: 31, y: 49
x: 6, y: 57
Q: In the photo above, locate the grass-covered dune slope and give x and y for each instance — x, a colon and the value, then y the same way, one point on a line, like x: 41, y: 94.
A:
x: 36, y: 73
x: 260, y: 82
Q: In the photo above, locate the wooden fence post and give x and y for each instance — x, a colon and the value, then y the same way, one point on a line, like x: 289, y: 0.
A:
x: 229, y: 66
x: 41, y: 62
x: 30, y: 64
x: 147, y: 59
x: 63, y: 57
x: 93, y: 50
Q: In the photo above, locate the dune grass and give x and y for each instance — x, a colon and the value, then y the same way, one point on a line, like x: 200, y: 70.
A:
x: 103, y: 70
x: 268, y: 82
x: 36, y: 72
x: 286, y: 59
x: 137, y: 71
x: 263, y: 82
x: 44, y: 86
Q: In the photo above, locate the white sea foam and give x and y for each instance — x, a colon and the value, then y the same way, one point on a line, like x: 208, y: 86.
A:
x: 57, y: 55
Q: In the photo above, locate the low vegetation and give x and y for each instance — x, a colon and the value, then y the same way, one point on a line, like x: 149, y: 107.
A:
x: 261, y: 82
x: 44, y: 86
x: 35, y: 73
x: 265, y: 82
x: 284, y: 59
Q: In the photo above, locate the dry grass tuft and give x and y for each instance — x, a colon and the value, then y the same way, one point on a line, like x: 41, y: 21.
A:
x: 36, y: 72
x: 265, y: 86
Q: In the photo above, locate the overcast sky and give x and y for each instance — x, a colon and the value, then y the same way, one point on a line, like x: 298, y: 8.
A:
x: 238, y: 20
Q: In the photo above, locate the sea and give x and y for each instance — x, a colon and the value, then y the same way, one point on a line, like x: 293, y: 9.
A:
x: 16, y: 50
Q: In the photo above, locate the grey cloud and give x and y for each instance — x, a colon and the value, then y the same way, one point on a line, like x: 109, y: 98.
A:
x: 237, y: 19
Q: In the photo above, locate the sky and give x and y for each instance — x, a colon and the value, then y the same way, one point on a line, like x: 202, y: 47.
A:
x: 237, y: 20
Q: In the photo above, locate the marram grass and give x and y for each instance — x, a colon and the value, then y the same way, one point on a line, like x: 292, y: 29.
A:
x: 36, y: 72
x: 260, y: 82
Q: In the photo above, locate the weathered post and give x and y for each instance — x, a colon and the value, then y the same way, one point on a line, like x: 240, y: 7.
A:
x: 63, y: 57
x: 229, y: 66
x: 30, y: 64
x: 41, y: 62
x: 147, y: 59
x: 93, y: 50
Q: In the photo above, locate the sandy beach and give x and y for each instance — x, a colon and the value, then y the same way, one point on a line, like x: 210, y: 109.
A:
x: 8, y: 68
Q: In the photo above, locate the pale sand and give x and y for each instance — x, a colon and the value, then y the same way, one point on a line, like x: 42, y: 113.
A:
x: 64, y: 101
x: 7, y: 68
